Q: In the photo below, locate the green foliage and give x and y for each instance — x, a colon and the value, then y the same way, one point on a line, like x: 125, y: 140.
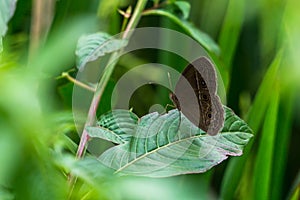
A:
x: 155, y: 146
x: 255, y: 119
x: 91, y: 47
x: 255, y: 46
x: 117, y: 126
x: 263, y: 165
x: 205, y: 40
x: 185, y: 8
x: 231, y: 30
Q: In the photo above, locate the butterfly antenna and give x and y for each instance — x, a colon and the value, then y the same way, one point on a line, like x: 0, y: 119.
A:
x: 179, y: 112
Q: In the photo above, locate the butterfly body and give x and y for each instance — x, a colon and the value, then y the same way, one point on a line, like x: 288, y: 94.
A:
x: 195, y: 96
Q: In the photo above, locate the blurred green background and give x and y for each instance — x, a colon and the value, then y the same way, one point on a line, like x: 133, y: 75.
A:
x: 259, y: 47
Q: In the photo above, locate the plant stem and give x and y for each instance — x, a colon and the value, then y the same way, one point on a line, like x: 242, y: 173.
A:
x: 76, y: 82
x: 126, y: 16
x: 105, y: 78
x: 134, y: 20
x: 101, y: 86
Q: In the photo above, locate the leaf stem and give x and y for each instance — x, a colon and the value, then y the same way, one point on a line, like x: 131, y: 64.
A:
x: 105, y: 78
x: 91, y: 118
x: 76, y: 82
x: 135, y: 18
x: 126, y: 15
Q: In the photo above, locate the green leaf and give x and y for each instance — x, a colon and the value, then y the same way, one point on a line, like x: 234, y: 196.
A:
x: 264, y: 160
x: 88, y: 168
x: 231, y: 30
x: 255, y: 118
x: 91, y: 47
x: 102, y: 133
x: 184, y: 7
x: 6, y: 194
x: 205, y: 40
x: 294, y: 192
x: 159, y: 148
x: 286, y: 110
x: 107, y: 8
x: 172, y: 1
x: 7, y: 9
x: 63, y: 124
x: 117, y: 126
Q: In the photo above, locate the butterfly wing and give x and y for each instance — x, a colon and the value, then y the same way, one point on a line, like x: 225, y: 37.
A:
x: 196, y: 96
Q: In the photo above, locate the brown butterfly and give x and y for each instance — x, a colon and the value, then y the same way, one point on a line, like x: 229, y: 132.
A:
x: 196, y: 96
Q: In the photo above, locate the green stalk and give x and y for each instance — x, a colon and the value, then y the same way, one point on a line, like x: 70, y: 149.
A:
x: 235, y: 168
x: 105, y: 78
x: 135, y: 18
x: 91, y: 118
x: 262, y: 174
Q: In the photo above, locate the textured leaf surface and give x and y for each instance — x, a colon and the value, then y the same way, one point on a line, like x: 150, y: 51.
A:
x: 91, y: 47
x: 117, y: 126
x: 160, y: 148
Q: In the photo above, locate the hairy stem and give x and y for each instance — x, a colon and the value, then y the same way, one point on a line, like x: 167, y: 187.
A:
x: 134, y: 20
x: 91, y: 118
x: 107, y: 73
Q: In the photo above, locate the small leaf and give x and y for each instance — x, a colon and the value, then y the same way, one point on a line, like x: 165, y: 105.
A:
x: 159, y: 148
x: 103, y: 133
x: 184, y: 7
x: 91, y: 47
x: 7, y: 9
x: 88, y: 168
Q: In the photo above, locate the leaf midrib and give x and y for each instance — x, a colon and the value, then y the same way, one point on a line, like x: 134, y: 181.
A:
x: 165, y: 146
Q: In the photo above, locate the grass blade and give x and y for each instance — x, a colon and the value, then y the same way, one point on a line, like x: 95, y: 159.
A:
x: 264, y: 159
x: 282, y: 142
x: 231, y: 30
x: 235, y: 167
